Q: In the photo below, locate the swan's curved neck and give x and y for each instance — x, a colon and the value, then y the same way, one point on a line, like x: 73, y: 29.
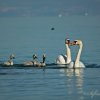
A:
x: 78, y: 56
x: 10, y: 59
x: 43, y: 59
x: 68, y: 53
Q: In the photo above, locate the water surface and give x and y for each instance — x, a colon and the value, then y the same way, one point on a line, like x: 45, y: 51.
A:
x: 26, y: 36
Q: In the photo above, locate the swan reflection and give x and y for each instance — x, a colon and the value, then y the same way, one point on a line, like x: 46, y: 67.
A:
x: 74, y: 81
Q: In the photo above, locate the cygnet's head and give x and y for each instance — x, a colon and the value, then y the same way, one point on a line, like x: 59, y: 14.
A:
x: 34, y: 56
x: 12, y: 56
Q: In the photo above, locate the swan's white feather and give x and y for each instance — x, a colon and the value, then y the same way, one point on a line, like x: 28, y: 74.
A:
x: 61, y: 59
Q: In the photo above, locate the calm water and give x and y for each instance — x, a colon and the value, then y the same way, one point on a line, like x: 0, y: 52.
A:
x: 26, y: 36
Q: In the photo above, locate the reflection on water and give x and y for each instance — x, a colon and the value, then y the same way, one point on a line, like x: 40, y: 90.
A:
x: 35, y: 82
x: 74, y: 81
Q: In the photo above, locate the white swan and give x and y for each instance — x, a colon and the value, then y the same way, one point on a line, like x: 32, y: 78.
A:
x: 42, y: 64
x: 77, y: 63
x: 30, y: 63
x: 65, y: 59
x: 10, y: 61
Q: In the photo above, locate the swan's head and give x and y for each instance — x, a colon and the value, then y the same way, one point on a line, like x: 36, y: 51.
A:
x: 44, y: 55
x: 34, y: 56
x: 77, y: 42
x: 12, y: 56
x: 67, y: 41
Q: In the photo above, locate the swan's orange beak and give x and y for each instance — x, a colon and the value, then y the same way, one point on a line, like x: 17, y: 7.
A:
x: 74, y: 42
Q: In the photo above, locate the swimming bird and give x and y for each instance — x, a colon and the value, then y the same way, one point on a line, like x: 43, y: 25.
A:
x: 10, y: 61
x: 31, y: 63
x: 42, y: 64
x: 65, y: 59
x: 78, y: 63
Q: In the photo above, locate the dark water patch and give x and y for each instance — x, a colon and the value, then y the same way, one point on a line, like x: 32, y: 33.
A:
x: 15, y: 73
x: 92, y: 84
x: 92, y: 66
x: 48, y: 66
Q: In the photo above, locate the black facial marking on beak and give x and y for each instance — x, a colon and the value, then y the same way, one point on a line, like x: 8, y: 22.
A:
x: 74, y: 42
x: 67, y: 41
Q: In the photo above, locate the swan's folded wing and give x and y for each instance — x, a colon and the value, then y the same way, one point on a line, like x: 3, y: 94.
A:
x: 28, y: 63
x: 60, y: 60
